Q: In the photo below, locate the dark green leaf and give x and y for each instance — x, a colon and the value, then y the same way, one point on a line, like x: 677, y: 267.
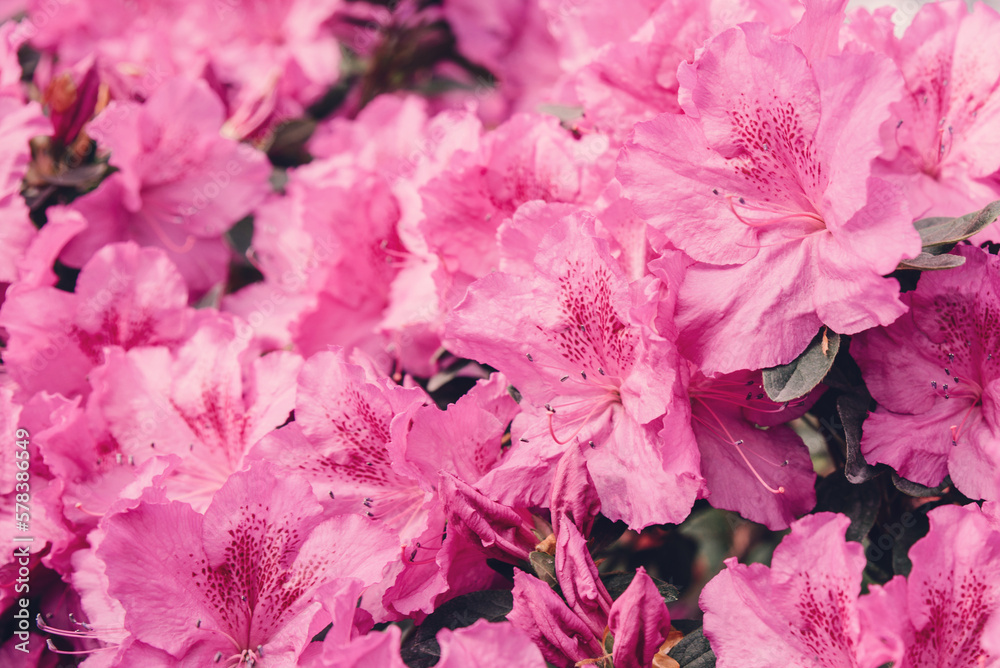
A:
x: 927, y: 262
x: 693, y: 651
x: 852, y: 410
x: 544, y: 565
x: 913, y: 526
x: 798, y: 377
x: 617, y: 583
x: 916, y: 489
x: 859, y: 502
x: 937, y: 232
x: 422, y: 649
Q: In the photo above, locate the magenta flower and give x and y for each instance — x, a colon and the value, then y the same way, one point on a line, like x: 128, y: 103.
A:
x: 766, y: 181
x: 948, y: 607
x: 802, y: 611
x: 934, y: 374
x: 766, y: 475
x: 805, y: 610
x: 201, y: 402
x: 179, y: 181
x: 576, y: 340
x: 370, y: 446
x: 942, y: 148
x: 236, y: 585
x: 125, y: 296
x: 578, y: 630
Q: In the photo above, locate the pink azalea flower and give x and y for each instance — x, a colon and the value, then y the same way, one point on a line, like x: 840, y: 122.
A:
x: 948, y: 607
x: 482, y: 645
x: 237, y: 584
x: 766, y: 475
x: 941, y: 147
x: 332, y: 237
x: 512, y: 40
x: 576, y: 341
x: 502, y: 532
x: 487, y: 645
x: 802, y: 611
x: 766, y: 182
x: 942, y: 392
x: 125, y: 296
x: 578, y: 629
x: 178, y: 182
x: 368, y: 445
x: 633, y: 77
x: 527, y: 158
x: 805, y: 609
x: 203, y: 402
x: 20, y: 121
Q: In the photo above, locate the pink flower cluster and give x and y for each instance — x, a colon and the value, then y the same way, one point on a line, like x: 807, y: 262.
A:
x: 322, y: 321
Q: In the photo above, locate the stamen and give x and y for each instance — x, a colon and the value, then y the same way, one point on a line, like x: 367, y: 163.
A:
x: 75, y: 652
x: 956, y: 431
x: 600, y: 405
x: 788, y: 215
x: 79, y: 506
x: 167, y: 241
x: 737, y: 443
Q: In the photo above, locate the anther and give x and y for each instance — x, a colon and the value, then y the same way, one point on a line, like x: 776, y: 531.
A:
x: 530, y: 358
x: 198, y: 624
x: 584, y: 374
x: 600, y: 370
x: 218, y: 657
x: 591, y: 444
x: 564, y: 379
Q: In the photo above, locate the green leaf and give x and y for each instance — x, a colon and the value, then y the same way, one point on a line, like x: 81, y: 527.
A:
x: 544, y: 565
x: 798, y: 377
x: 928, y: 262
x: 693, y: 651
x: 859, y: 502
x: 938, y: 232
x: 913, y: 526
x: 617, y: 583
x: 853, y: 409
x: 916, y: 489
